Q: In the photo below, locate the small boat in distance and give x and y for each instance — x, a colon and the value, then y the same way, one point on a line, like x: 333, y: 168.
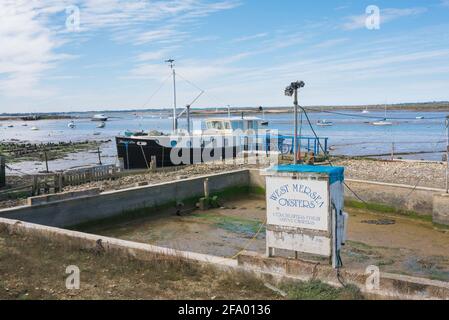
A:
x: 324, y: 123
x: 101, y: 125
x: 71, y: 125
x: 100, y: 117
x: 419, y: 118
x: 384, y: 122
x: 365, y: 111
x: 34, y: 128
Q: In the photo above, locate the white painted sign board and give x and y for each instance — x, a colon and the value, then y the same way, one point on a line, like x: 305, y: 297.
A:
x: 297, y: 203
x: 304, y: 209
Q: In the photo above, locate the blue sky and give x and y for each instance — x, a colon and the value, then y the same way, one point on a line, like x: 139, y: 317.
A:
x: 242, y: 52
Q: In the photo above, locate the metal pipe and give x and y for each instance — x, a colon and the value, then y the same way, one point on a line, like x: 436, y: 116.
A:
x: 175, y: 116
x: 295, y: 138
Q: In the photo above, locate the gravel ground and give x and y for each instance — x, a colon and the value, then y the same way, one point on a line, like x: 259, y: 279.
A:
x: 158, y: 177
x: 422, y: 174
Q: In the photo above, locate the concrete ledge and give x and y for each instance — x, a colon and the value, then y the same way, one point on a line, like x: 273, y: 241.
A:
x: 270, y: 269
x: 441, y: 209
x: 75, y: 211
x: 37, y: 200
x: 391, y: 285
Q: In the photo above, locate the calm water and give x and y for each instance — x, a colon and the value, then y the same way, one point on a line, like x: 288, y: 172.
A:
x: 351, y: 134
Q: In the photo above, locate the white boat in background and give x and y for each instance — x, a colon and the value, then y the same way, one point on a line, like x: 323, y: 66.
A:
x: 34, y: 128
x: 101, y: 125
x: 71, y: 125
x: 100, y: 117
x: 365, y: 111
x: 324, y: 123
x: 419, y: 118
x: 384, y: 122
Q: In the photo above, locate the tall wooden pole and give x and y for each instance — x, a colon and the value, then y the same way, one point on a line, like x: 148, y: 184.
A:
x: 447, y: 155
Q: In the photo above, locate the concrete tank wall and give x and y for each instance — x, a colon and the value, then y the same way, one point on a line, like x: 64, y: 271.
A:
x: 441, y: 209
x: 108, y: 204
x: 400, y: 197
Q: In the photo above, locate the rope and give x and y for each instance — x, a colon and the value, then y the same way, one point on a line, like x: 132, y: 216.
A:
x: 155, y: 92
x: 322, y: 148
x: 145, y: 157
x: 370, y: 117
x: 18, y: 170
x: 250, y: 241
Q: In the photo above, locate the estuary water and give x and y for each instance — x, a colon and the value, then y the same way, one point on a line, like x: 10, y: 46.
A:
x: 352, y: 133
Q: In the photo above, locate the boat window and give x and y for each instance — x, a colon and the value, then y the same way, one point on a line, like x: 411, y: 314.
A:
x: 218, y: 125
x: 236, y: 125
x: 227, y: 125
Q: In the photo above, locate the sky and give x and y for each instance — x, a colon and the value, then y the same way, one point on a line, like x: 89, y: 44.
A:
x: 83, y: 55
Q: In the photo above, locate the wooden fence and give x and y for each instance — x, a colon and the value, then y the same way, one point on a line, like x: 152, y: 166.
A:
x: 50, y: 183
x: 86, y: 175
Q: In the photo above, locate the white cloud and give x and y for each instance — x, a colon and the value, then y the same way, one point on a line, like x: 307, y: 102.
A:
x: 251, y: 37
x: 28, y: 48
x: 330, y: 43
x: 30, y: 35
x: 386, y: 15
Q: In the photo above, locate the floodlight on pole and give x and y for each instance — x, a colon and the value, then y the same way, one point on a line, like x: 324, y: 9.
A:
x: 292, y: 90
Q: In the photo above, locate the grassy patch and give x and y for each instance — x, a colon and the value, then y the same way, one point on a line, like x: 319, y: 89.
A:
x: 381, y: 208
x: 317, y: 290
x: 34, y: 268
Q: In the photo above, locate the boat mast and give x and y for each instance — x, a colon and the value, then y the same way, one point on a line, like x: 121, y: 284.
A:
x: 175, y: 116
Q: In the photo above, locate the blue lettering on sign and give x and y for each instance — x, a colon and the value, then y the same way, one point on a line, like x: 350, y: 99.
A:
x: 314, y: 199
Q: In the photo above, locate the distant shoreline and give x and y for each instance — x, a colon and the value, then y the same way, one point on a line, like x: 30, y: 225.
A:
x: 419, y: 107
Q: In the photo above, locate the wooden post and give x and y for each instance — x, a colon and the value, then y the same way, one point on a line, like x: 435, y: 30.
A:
x: 60, y: 182
x: 2, y: 172
x: 35, y: 188
x: 206, y: 188
x: 99, y: 156
x: 46, y: 161
x: 392, y: 151
x: 153, y: 164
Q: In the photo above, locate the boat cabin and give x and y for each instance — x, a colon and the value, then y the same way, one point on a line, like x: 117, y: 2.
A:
x: 230, y: 124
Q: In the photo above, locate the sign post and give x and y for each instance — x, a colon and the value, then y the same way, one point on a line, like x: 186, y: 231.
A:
x: 305, y: 210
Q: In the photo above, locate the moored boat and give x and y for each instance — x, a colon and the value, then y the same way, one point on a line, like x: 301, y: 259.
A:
x: 324, y: 123
x: 100, y: 117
